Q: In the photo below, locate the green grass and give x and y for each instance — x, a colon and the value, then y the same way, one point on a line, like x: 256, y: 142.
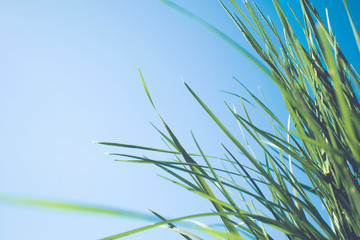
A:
x: 317, y: 85
x: 298, y: 170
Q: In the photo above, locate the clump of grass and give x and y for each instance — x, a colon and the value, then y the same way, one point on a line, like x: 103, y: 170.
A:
x: 299, y: 170
x: 314, y: 164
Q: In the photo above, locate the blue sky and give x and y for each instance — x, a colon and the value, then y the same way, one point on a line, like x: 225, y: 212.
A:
x: 69, y: 76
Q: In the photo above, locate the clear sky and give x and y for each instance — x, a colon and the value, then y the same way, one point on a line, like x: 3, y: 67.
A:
x: 69, y: 76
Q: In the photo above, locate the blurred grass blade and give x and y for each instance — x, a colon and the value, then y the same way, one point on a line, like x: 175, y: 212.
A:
x: 356, y: 35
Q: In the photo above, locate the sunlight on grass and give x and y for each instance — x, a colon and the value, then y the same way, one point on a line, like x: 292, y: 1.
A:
x: 308, y: 164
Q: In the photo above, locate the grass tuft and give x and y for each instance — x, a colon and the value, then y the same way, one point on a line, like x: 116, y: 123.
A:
x: 311, y: 162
